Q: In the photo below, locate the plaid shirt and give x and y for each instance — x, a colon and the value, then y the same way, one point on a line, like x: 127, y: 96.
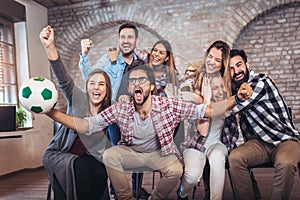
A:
x: 264, y: 115
x: 166, y: 114
x: 193, y: 138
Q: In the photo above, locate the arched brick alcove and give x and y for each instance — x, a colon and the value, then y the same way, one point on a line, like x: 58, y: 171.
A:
x: 272, y: 42
x: 191, y: 26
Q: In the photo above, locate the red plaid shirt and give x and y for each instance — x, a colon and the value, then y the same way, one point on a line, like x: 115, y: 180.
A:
x: 166, y: 114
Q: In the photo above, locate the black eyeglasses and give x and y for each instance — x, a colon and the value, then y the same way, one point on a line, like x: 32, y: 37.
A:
x: 141, y: 80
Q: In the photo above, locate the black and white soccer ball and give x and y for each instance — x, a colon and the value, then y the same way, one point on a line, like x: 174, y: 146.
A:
x: 38, y: 95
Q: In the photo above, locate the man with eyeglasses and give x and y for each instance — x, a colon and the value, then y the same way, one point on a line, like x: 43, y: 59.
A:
x: 126, y: 59
x: 147, y: 124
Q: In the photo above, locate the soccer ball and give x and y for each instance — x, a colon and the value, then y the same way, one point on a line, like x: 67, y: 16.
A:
x: 38, y: 95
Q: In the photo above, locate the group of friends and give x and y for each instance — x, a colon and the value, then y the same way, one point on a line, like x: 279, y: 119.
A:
x: 133, y: 112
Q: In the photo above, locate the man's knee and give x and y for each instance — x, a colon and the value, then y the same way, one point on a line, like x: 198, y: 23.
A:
x: 235, y: 157
x: 286, y: 165
x: 110, y: 156
x: 175, y: 170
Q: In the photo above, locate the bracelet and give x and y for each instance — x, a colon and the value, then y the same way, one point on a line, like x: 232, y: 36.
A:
x: 238, y: 101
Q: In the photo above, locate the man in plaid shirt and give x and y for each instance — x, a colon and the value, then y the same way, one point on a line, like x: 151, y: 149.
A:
x: 147, y: 125
x: 268, y: 130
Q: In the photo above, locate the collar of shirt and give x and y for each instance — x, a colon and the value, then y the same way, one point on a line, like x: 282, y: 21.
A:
x: 155, y: 105
x: 121, y: 61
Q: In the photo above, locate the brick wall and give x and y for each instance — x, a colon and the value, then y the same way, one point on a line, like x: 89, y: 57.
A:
x: 272, y: 42
x: 267, y: 30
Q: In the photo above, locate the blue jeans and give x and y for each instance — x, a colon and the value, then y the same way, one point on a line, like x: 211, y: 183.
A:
x: 114, y: 134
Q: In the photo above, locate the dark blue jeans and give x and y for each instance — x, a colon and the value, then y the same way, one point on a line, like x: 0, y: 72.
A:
x: 114, y: 134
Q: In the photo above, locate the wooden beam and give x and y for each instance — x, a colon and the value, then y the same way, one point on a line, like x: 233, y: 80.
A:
x: 12, y: 10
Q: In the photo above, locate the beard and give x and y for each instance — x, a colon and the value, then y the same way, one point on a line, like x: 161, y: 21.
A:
x: 145, y: 97
x: 127, y: 54
x: 235, y: 85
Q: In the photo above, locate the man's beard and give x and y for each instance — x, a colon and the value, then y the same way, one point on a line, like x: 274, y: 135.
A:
x: 127, y: 54
x: 146, y: 96
x: 235, y: 85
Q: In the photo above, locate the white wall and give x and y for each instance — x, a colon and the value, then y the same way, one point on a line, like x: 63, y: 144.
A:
x: 36, y: 19
x: 27, y: 151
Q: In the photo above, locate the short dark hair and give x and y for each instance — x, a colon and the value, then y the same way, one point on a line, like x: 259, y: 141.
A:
x: 145, y: 68
x: 238, y: 52
x: 129, y: 25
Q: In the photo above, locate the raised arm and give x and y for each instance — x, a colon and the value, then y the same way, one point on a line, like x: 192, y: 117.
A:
x: 86, y: 46
x: 203, y: 126
x: 77, y: 124
x: 220, y: 107
x: 84, y: 63
x: 47, y: 39
x: 64, y: 80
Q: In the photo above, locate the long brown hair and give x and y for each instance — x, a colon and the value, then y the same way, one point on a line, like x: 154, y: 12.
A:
x: 107, y: 99
x: 170, y: 63
x: 225, y: 70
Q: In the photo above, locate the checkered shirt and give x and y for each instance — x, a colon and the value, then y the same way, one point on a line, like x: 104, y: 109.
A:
x: 166, y: 114
x: 264, y: 115
x: 193, y: 138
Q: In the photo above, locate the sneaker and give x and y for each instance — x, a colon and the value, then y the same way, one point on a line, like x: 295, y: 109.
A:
x: 179, y: 197
x: 113, y: 197
x: 143, y: 193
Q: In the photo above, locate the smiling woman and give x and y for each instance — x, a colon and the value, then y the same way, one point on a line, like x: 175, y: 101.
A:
x: 68, y: 153
x: 162, y: 61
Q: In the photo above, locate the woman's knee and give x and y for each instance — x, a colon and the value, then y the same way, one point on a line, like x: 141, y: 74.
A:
x: 217, y: 156
x: 192, y: 176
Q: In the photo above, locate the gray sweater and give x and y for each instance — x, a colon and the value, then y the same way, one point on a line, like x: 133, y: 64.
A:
x: 57, y: 158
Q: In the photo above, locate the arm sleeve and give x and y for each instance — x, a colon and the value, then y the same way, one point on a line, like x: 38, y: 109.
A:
x: 96, y: 124
x: 188, y: 110
x: 64, y: 81
x: 103, y: 119
x: 84, y: 66
x: 201, y: 109
x: 260, y: 93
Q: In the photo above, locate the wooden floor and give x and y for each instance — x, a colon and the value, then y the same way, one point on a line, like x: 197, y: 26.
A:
x: 32, y: 184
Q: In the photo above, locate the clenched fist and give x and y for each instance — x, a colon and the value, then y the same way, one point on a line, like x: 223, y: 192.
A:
x: 85, y: 46
x: 245, y: 92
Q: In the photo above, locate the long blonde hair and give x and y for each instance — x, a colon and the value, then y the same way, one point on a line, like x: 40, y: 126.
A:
x: 224, y: 71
